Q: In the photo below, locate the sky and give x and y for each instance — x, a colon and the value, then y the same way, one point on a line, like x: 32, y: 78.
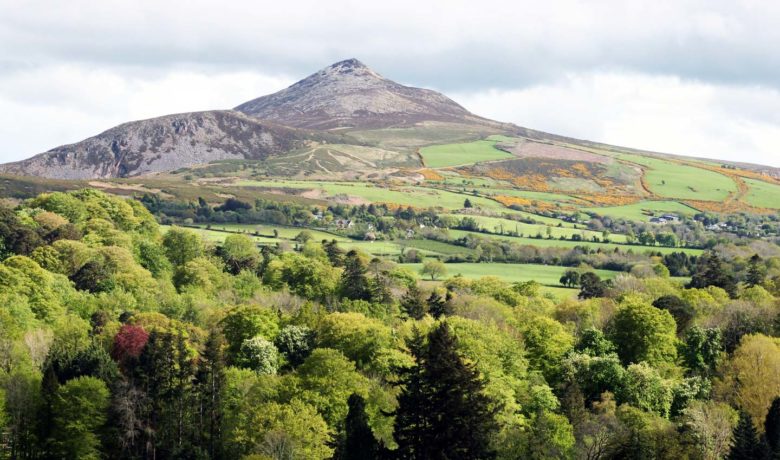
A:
x: 698, y: 77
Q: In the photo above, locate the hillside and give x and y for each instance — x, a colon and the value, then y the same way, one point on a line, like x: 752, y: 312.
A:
x: 168, y: 143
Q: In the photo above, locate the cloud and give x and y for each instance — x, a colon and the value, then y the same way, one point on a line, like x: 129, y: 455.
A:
x: 663, y: 114
x: 69, y: 70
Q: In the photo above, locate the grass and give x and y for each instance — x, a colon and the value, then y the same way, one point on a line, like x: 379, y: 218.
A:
x: 468, y: 153
x: 418, y: 197
x: 762, y: 194
x: 499, y: 225
x: 545, y: 243
x: 673, y: 180
x: 643, y: 210
x: 548, y: 275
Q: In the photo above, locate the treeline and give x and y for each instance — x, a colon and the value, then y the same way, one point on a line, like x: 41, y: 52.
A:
x: 119, y: 341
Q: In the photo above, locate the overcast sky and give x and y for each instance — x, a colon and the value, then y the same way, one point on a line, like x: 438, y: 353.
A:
x: 690, y: 77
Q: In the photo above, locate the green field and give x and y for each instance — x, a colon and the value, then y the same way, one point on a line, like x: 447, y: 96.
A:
x: 673, y: 180
x: 545, y: 243
x: 467, y: 153
x: 500, y: 225
x: 548, y: 275
x: 762, y: 194
x: 643, y: 210
x: 419, y: 197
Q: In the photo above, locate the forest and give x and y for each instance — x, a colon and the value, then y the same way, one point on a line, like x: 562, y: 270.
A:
x: 124, y: 339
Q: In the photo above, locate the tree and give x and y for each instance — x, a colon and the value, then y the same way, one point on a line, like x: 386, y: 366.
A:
x: 181, y: 246
x: 708, y: 427
x: 570, y: 278
x: 443, y: 411
x: 746, y: 445
x: 334, y: 252
x: 413, y: 303
x: 260, y: 355
x: 681, y: 310
x: 642, y: 332
x: 354, y: 282
x: 772, y: 427
x: 128, y: 344
x: 439, y: 306
x: 243, y: 323
x: 94, y: 276
x: 239, y: 253
x: 79, y: 410
x: 591, y: 286
x: 711, y: 271
x: 433, y: 268
x: 701, y: 350
x: 210, y: 382
x: 750, y: 378
x: 295, y: 343
x: 467, y: 203
x: 756, y: 271
x: 359, y: 441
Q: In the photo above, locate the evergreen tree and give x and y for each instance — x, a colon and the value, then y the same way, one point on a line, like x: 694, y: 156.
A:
x: 354, y: 282
x: 210, y: 384
x: 711, y: 271
x: 467, y: 203
x: 746, y: 445
x: 359, y: 441
x: 334, y: 252
x: 591, y: 286
x: 439, y: 306
x: 443, y: 412
x: 756, y: 271
x: 413, y: 303
x: 772, y: 428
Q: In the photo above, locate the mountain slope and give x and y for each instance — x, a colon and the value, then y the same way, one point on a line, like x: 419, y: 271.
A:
x: 168, y: 143
x: 348, y: 94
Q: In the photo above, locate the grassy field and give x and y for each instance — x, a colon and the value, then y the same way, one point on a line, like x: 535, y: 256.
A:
x: 762, y: 194
x: 544, y: 274
x: 441, y: 156
x: 643, y: 210
x: 673, y: 180
x: 545, y: 243
x: 497, y: 224
x: 419, y: 197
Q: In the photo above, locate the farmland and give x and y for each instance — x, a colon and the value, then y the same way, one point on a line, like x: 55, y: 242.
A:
x: 544, y: 274
x: 501, y: 225
x: 643, y: 210
x: 673, y: 180
x: 762, y: 194
x: 440, y: 156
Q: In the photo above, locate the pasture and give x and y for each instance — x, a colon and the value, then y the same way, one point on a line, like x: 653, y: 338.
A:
x: 643, y: 210
x: 762, y: 194
x: 467, y: 153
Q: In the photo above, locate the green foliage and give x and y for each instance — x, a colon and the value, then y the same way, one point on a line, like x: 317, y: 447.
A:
x: 363, y: 340
x: 247, y: 322
x: 746, y: 444
x: 239, y: 253
x: 181, y: 245
x: 642, y: 332
x: 80, y: 409
x: 295, y: 343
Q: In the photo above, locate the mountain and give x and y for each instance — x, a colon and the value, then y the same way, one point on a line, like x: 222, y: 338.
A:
x: 168, y: 143
x: 348, y: 94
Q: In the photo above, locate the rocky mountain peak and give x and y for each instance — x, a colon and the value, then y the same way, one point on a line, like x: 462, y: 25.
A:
x: 348, y: 94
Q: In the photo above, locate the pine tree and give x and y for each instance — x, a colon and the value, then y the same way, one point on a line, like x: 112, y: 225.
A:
x: 359, y: 441
x: 710, y: 271
x: 334, y: 252
x: 756, y: 271
x: 439, y: 306
x: 746, y: 445
x: 354, y: 282
x: 411, y: 427
x: 412, y: 303
x: 210, y: 383
x: 443, y: 412
x: 772, y: 428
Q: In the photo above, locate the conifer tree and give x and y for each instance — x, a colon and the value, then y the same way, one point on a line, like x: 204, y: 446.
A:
x: 746, y: 445
x: 439, y: 306
x: 413, y: 303
x: 210, y: 384
x: 756, y: 271
x: 359, y: 441
x: 354, y: 282
x: 772, y: 428
x: 443, y: 412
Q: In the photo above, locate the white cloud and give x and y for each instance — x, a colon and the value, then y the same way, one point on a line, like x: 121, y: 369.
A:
x: 664, y: 114
x: 687, y: 76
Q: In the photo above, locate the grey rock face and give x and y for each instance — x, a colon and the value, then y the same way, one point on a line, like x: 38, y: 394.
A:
x: 350, y: 95
x: 164, y: 144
